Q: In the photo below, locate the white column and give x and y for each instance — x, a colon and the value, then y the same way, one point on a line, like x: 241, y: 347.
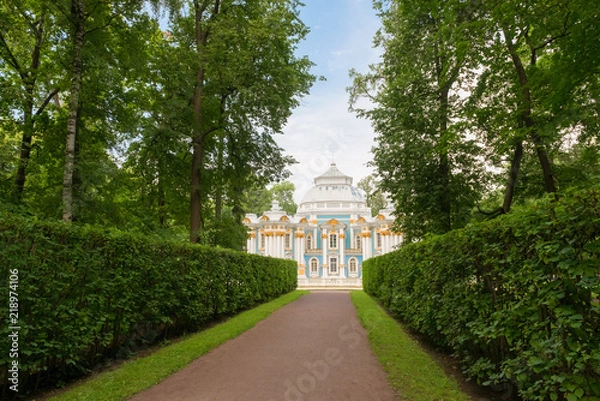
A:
x: 324, y: 244
x: 301, y: 248
x: 386, y: 243
x: 269, y: 246
x: 342, y: 265
x: 281, y: 245
x: 363, y: 245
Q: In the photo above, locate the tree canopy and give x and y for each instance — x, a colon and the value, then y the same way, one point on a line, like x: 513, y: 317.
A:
x: 152, y: 116
x: 481, y: 103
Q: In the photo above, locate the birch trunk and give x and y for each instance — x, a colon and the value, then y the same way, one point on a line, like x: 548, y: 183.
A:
x: 78, y: 14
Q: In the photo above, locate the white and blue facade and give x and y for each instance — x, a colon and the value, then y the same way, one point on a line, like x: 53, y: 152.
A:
x: 329, y: 237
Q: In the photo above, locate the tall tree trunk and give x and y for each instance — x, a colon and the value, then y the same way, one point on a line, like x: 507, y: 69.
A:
x: 196, y: 219
x: 525, y: 115
x: 219, y: 182
x: 29, y: 79
x: 161, y: 203
x: 198, y: 155
x: 540, y: 148
x: 444, y: 166
x: 515, y: 165
x: 78, y: 14
x: 25, y: 152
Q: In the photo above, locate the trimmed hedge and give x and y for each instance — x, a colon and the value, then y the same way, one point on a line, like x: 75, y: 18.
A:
x: 84, y: 293
x: 516, y: 298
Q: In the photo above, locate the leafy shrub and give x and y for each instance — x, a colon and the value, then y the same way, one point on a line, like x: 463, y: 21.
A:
x: 516, y: 298
x: 84, y: 292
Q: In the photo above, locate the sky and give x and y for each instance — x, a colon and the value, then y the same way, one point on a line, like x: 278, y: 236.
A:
x: 322, y: 130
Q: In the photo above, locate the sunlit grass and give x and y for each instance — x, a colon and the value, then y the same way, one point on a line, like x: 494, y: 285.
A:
x: 412, y: 373
x: 140, y: 374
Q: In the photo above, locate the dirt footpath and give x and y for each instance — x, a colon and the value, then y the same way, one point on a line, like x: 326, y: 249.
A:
x: 313, y: 349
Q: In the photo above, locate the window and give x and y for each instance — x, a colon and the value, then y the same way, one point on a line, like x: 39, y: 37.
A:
x: 262, y: 240
x: 333, y: 267
x: 358, y: 242
x: 314, y: 267
x: 333, y: 241
x: 378, y: 239
x: 352, y: 267
x: 309, y: 243
x: 288, y: 241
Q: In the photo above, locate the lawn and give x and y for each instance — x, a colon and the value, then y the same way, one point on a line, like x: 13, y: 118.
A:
x: 412, y: 373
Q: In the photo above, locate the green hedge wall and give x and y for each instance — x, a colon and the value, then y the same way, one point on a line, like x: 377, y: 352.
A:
x: 84, y: 292
x: 516, y: 298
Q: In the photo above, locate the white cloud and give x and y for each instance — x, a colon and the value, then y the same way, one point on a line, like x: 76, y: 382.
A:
x: 322, y: 130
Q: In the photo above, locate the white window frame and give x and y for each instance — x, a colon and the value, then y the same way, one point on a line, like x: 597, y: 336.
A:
x: 314, y: 263
x: 353, y: 267
x: 333, y: 241
x: 287, y: 241
x: 333, y: 265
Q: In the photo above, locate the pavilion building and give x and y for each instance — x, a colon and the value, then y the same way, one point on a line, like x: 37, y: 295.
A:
x: 330, y: 236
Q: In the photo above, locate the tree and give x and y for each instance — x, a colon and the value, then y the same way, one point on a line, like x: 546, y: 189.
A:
x: 258, y: 200
x: 375, y: 197
x: 424, y: 158
x: 26, y: 68
x: 283, y: 193
x: 247, y: 80
x: 137, y: 107
x: 523, y: 103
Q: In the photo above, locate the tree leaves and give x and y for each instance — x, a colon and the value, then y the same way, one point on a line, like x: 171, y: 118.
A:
x: 135, y: 119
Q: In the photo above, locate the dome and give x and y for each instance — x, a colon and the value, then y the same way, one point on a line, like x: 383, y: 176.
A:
x: 333, y: 190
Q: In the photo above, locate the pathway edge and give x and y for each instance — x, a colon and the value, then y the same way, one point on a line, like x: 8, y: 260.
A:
x: 140, y: 374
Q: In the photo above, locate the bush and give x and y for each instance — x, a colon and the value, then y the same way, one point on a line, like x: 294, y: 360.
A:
x: 516, y: 298
x: 85, y: 293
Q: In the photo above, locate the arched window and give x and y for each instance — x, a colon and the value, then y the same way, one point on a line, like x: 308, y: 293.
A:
x: 314, y: 267
x: 262, y: 240
x: 353, y: 267
x: 333, y: 241
x: 358, y: 242
x: 309, y: 242
x: 378, y: 239
x: 288, y: 242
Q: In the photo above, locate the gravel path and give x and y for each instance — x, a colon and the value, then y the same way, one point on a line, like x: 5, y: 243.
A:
x: 312, y: 349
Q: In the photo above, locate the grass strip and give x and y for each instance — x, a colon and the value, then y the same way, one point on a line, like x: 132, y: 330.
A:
x: 412, y: 373
x: 140, y: 374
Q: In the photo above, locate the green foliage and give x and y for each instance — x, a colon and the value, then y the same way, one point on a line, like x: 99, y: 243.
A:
x: 260, y: 199
x: 283, y: 192
x: 424, y: 158
x: 375, y: 197
x: 85, y: 292
x: 136, y: 116
x: 516, y: 298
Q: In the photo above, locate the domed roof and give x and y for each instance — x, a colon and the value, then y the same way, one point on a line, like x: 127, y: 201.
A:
x: 333, y: 176
x: 333, y: 190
